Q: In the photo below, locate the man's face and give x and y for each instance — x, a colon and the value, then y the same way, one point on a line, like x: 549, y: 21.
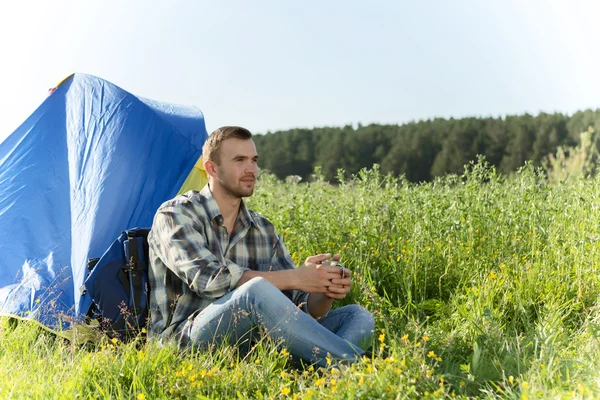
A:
x: 236, y: 172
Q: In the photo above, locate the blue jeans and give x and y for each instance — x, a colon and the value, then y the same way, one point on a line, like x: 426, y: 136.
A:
x: 258, y: 304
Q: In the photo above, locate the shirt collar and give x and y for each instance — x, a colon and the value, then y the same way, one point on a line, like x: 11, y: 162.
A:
x: 213, y: 210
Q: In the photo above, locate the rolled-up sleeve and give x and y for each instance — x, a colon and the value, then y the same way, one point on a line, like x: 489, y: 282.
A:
x: 178, y: 241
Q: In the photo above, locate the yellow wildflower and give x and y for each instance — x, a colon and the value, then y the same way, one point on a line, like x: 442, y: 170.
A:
x: 285, y: 391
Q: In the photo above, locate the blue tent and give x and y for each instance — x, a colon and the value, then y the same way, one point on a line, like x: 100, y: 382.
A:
x: 90, y: 162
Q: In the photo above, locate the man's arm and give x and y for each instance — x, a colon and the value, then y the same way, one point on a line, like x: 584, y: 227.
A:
x: 282, y: 280
x: 319, y: 304
x: 310, y: 277
x: 323, y: 282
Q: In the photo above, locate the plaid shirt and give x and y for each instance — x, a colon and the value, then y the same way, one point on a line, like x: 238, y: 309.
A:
x: 194, y: 261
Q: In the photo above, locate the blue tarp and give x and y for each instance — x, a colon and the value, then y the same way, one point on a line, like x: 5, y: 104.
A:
x: 90, y: 162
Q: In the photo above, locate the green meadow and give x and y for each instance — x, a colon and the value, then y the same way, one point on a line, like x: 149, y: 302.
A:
x: 482, y: 286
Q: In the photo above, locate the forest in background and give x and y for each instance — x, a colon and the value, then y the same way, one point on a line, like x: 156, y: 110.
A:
x: 423, y: 150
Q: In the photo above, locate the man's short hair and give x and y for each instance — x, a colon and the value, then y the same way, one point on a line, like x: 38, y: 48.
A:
x: 210, y: 150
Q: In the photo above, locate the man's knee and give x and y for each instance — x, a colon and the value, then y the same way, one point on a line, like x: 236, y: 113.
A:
x: 365, y: 317
x: 257, y: 286
x: 258, y: 296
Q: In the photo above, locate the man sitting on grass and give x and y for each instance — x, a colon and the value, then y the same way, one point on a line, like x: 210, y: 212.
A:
x: 219, y: 272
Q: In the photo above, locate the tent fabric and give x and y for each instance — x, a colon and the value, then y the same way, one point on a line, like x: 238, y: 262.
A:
x: 196, y: 179
x: 90, y: 162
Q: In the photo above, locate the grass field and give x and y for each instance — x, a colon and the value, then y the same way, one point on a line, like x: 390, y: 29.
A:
x: 481, y: 285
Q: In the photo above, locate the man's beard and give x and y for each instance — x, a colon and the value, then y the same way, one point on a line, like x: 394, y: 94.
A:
x: 235, y: 192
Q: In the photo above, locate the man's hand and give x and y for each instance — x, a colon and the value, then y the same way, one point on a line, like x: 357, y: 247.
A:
x: 331, y: 285
x: 340, y: 287
x: 314, y: 277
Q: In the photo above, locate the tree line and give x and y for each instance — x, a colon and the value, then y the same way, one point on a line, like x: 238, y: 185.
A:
x: 422, y: 150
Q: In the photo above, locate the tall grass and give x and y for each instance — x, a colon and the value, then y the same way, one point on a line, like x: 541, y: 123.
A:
x: 482, y: 286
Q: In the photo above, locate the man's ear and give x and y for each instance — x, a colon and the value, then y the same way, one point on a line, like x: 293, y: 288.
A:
x: 210, y: 168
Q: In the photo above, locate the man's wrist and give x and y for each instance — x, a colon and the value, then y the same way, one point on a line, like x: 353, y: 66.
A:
x: 319, y: 305
x: 282, y: 280
x: 292, y: 279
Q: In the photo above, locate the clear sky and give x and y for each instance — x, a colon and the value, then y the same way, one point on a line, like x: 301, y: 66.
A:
x: 271, y: 65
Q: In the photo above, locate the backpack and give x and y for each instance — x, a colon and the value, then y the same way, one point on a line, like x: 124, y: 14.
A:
x: 115, y: 290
